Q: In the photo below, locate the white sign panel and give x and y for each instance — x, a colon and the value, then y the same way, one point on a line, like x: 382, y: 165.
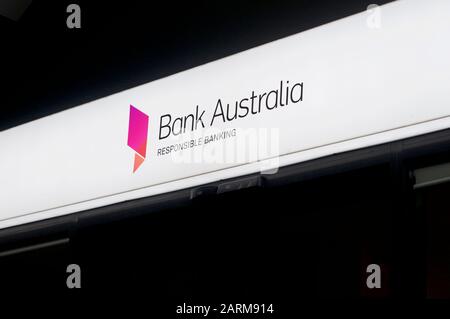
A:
x: 356, y: 82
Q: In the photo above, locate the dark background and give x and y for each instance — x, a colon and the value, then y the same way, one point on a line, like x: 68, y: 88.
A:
x: 46, y: 67
x: 288, y: 244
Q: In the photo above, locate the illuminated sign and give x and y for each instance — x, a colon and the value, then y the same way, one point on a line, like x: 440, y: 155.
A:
x: 350, y: 86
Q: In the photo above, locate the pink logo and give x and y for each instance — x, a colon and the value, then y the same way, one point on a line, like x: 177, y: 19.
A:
x: 137, y: 135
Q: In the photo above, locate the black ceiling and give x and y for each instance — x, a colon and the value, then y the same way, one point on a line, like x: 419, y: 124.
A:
x: 46, y: 67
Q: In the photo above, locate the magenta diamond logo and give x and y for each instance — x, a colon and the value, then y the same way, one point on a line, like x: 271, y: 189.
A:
x: 137, y: 135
